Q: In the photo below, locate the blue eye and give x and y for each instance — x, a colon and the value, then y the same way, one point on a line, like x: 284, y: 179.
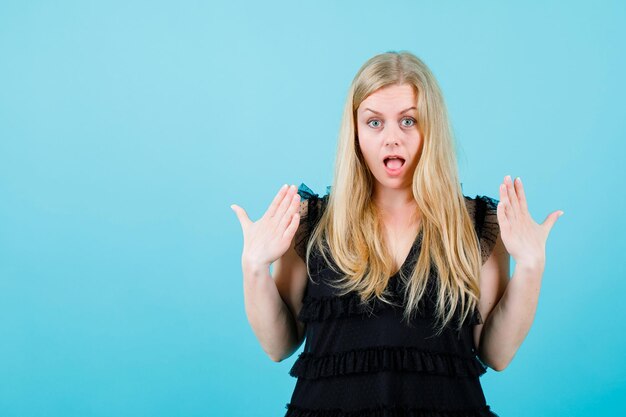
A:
x: 412, y: 120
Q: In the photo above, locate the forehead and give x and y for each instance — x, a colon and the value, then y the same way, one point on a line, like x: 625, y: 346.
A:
x: 390, y: 99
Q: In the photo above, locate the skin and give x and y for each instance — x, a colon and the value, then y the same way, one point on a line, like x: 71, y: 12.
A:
x: 390, y: 132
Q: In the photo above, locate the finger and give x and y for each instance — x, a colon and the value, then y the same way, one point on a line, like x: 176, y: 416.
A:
x: 244, y: 220
x: 293, y: 225
x: 551, y: 219
x: 501, y: 215
x: 507, y: 209
x: 285, y: 203
x: 521, y: 195
x: 293, y: 208
x: 276, y: 201
x: 512, y: 195
x: 504, y: 199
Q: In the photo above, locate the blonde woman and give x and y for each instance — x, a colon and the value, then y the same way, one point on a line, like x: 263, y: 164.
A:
x: 398, y: 282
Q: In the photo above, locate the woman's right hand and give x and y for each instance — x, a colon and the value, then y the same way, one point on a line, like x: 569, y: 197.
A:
x: 267, y: 239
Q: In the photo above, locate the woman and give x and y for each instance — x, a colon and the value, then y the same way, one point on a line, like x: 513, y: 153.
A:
x: 409, y: 298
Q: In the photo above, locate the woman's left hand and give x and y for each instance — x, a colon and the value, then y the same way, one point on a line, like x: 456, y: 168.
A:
x: 523, y: 238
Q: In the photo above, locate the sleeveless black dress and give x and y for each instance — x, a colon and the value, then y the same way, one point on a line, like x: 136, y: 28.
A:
x: 370, y: 363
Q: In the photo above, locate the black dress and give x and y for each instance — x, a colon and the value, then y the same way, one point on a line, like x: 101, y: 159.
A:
x: 369, y: 363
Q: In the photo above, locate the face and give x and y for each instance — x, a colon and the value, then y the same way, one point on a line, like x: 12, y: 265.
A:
x: 387, y: 125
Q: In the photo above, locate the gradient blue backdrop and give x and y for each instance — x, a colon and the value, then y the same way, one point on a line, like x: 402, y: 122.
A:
x: 128, y: 128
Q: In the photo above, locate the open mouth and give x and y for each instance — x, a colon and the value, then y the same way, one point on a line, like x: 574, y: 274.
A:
x: 394, y: 163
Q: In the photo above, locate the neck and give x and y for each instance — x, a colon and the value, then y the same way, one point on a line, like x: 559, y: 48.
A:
x: 394, y: 200
x: 397, y: 207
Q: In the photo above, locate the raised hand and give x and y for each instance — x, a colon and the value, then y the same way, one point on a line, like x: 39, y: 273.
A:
x: 523, y: 238
x: 267, y: 239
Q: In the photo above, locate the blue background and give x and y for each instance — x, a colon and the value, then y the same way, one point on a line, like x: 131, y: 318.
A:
x: 128, y: 128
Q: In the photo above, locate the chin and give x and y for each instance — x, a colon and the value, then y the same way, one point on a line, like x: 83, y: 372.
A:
x: 393, y: 183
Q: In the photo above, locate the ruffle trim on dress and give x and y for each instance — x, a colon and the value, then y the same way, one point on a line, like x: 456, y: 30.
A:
x: 312, y: 208
x: 306, y: 193
x: 385, y: 358
x: 389, y: 411
x: 333, y: 307
x: 484, y: 209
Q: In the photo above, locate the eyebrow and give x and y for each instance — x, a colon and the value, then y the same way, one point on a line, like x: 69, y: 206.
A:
x: 403, y: 111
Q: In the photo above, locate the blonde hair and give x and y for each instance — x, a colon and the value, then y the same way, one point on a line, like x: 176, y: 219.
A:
x: 350, y: 229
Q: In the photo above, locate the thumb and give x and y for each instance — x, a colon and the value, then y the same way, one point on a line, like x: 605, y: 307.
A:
x: 244, y: 220
x: 551, y: 219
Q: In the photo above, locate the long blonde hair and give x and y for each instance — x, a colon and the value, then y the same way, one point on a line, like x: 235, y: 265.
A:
x: 351, y: 228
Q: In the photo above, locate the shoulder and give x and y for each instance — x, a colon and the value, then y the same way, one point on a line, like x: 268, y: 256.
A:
x: 483, y: 210
x: 480, y: 207
x: 307, y: 194
x: 312, y: 206
x: 311, y: 203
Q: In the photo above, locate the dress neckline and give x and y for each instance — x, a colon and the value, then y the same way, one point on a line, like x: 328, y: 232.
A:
x: 409, y: 258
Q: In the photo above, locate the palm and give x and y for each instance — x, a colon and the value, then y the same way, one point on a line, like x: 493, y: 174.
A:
x: 268, y: 238
x: 523, y: 238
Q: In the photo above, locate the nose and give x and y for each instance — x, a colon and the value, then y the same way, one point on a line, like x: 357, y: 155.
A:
x: 391, y: 141
x: 392, y: 136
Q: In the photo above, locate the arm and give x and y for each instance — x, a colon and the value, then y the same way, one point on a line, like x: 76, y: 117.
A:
x: 508, y: 305
x: 514, y: 302
x: 274, y: 302
x: 266, y: 241
x: 270, y: 318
